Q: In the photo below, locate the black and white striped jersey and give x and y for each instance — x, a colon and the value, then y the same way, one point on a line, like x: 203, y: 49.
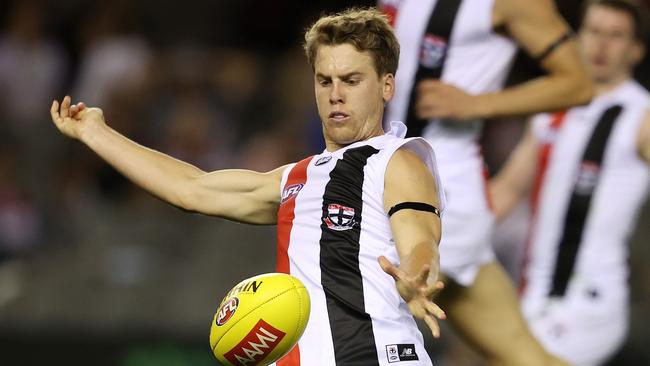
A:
x: 332, y: 227
x: 588, y: 195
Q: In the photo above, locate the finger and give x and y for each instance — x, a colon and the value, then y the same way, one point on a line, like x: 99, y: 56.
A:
x: 65, y: 107
x: 428, y: 100
x: 386, y: 265
x: 433, y: 325
x: 54, y: 108
x: 433, y: 112
x: 425, y: 111
x: 428, y: 85
x: 54, y: 111
x: 434, y: 288
x: 81, y: 109
x: 390, y: 268
x: 435, y: 310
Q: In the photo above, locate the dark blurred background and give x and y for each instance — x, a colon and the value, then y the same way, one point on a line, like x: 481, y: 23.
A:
x: 93, y: 271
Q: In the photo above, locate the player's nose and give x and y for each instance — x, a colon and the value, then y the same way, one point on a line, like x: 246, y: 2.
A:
x: 336, y: 93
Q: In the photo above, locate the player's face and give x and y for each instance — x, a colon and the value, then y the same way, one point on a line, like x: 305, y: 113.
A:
x: 608, y: 44
x: 349, y: 94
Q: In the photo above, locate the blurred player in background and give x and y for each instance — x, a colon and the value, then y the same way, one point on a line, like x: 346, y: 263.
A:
x: 455, y: 57
x: 344, y: 216
x: 587, y: 172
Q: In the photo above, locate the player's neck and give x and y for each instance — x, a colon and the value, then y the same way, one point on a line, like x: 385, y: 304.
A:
x: 332, y: 146
x: 606, y: 86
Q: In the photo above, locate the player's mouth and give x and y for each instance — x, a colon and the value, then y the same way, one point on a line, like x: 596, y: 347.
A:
x: 599, y: 61
x: 339, y: 116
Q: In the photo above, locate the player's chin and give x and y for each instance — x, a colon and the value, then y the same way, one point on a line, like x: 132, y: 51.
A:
x: 344, y: 137
x: 340, y: 132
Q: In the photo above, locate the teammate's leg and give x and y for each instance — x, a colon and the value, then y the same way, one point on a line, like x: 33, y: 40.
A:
x: 487, y: 315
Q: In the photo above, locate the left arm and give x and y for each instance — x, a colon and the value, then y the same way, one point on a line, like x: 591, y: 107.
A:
x: 643, y: 141
x: 534, y: 25
x: 416, y: 234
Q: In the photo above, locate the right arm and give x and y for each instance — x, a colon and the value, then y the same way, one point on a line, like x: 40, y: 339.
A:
x: 238, y: 195
x: 643, y: 139
x: 515, y: 179
x: 416, y: 235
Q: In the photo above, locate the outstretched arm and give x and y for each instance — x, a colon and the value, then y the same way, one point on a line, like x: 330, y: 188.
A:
x: 515, y: 179
x: 416, y: 234
x: 534, y: 25
x: 643, y: 142
x: 238, y: 195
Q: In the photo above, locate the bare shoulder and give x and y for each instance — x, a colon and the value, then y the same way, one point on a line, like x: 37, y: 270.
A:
x: 409, y: 179
x: 405, y: 162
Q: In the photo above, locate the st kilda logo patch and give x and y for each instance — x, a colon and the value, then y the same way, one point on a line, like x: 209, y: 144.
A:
x: 339, y: 217
x: 259, y: 342
x: 432, y: 51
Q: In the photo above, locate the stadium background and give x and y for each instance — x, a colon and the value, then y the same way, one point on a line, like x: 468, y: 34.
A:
x: 95, y: 272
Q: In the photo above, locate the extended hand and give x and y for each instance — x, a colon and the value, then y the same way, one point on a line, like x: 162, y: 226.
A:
x: 436, y: 99
x: 72, y: 119
x: 417, y: 291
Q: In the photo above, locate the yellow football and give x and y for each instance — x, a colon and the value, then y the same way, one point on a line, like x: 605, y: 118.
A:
x: 260, y: 320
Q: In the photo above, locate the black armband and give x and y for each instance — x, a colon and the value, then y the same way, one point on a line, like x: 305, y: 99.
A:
x: 553, y: 46
x: 418, y: 206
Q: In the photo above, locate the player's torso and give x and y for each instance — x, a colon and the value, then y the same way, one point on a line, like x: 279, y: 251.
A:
x: 335, y: 227
x: 477, y: 61
x: 594, y: 202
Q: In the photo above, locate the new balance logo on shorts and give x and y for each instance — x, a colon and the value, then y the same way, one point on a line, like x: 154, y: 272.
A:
x: 401, y: 352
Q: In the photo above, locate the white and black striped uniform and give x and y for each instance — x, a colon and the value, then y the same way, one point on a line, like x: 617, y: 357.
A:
x: 478, y: 61
x: 576, y: 292
x: 332, y: 227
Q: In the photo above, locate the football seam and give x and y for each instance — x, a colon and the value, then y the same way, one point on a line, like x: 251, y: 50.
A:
x: 253, y: 309
x: 299, y: 323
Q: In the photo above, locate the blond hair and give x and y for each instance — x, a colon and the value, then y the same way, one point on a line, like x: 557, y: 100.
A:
x: 367, y: 29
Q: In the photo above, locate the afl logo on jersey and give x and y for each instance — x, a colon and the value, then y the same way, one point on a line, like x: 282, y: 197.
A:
x: 291, y: 191
x: 339, y: 217
x: 433, y: 51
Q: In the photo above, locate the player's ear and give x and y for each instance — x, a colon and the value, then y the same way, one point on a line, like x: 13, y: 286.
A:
x: 638, y: 52
x: 388, y: 87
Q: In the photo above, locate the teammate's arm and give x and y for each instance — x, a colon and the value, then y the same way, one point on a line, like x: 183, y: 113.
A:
x: 539, y: 29
x: 238, y: 195
x: 536, y: 26
x: 416, y: 234
x: 515, y: 179
x: 643, y: 141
